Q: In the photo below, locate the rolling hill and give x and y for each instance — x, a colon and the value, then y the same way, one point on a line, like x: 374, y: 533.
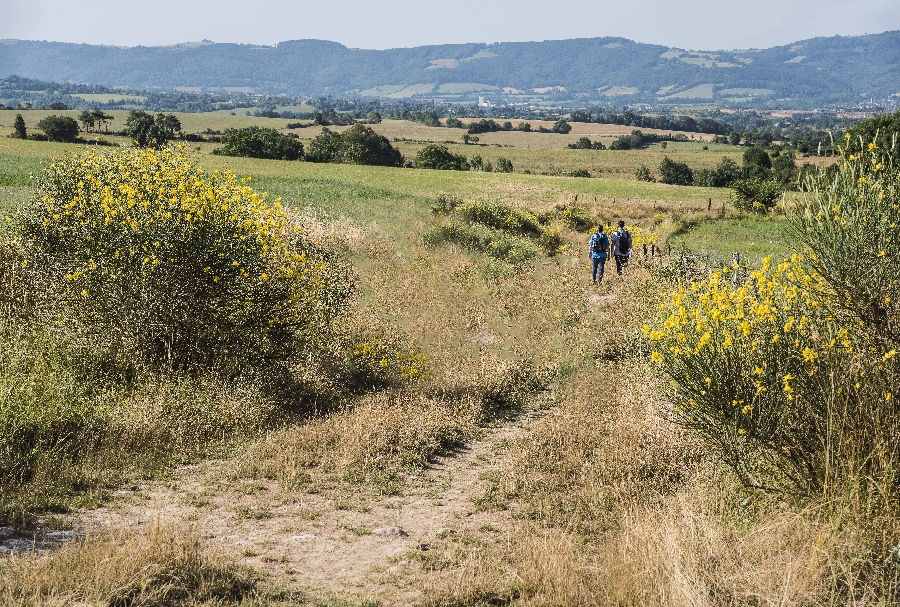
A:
x: 810, y: 73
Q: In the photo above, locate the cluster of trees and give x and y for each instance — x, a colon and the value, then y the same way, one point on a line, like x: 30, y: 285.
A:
x: 585, y: 143
x: 260, y: 142
x: 437, y: 156
x: 146, y: 130
x: 677, y: 123
x: 357, y: 145
x: 55, y: 128
x: 758, y: 166
x: 487, y: 125
x: 638, y: 140
x: 94, y: 118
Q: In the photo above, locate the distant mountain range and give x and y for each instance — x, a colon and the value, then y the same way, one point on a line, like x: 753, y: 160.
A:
x: 820, y: 72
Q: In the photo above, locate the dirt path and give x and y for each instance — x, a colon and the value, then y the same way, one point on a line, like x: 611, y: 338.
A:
x: 330, y: 542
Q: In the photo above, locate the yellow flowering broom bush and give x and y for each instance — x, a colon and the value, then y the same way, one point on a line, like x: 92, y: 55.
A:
x: 153, y: 258
x: 792, y: 372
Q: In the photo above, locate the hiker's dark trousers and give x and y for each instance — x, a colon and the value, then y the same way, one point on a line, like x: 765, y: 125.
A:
x: 621, y: 263
x: 598, y: 264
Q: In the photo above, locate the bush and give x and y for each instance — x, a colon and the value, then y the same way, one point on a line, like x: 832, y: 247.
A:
x: 561, y: 126
x: 504, y: 165
x: 483, y: 126
x: 580, y: 173
x: 585, y: 143
x: 725, y: 173
x: 479, y: 237
x: 454, y: 123
x: 357, y: 145
x: 152, y: 259
x: 59, y: 128
x: 757, y: 163
x: 643, y: 174
x: 436, y: 156
x: 793, y: 374
x: 502, y: 217
x: 576, y: 218
x: 757, y: 195
x: 259, y: 142
x: 675, y: 173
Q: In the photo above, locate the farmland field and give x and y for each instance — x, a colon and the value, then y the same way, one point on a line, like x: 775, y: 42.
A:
x: 478, y: 425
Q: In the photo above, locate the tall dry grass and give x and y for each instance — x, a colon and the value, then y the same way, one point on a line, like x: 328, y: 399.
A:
x: 163, y: 565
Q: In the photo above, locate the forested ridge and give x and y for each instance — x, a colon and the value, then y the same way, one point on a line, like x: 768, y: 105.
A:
x: 820, y: 71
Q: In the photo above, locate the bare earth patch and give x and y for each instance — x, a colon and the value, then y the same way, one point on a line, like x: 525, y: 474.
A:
x: 350, y: 543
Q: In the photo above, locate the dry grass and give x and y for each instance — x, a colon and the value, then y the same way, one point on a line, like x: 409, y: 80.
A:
x: 386, y: 435
x: 163, y: 565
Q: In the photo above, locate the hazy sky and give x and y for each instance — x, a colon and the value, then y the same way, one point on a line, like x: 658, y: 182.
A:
x: 692, y: 24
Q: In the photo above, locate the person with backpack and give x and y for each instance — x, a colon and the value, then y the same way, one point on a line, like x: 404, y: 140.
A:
x: 621, y: 246
x: 598, y: 251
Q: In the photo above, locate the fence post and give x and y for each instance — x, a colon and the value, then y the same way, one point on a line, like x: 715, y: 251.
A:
x: 653, y: 250
x: 709, y: 206
x: 645, y: 250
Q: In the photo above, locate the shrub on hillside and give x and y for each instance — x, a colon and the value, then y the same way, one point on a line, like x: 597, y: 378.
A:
x: 259, y: 142
x: 502, y: 217
x: 673, y: 172
x: 59, y: 128
x: 478, y: 237
x: 561, y: 126
x: 793, y: 372
x: 436, y: 156
x: 504, y: 165
x: 723, y: 175
x: 643, y: 174
x: 757, y: 195
x: 150, y: 257
x: 357, y: 145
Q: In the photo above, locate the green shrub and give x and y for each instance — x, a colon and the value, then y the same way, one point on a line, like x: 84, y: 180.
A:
x: 445, y: 204
x: 501, y: 217
x: 436, y: 156
x: 504, y: 165
x: 59, y: 128
x: 643, y: 174
x: 723, y: 175
x: 757, y: 195
x: 579, y: 173
x: 561, y: 126
x: 259, y: 142
x: 673, y: 172
x: 357, y: 145
x: 146, y: 255
x: 481, y: 238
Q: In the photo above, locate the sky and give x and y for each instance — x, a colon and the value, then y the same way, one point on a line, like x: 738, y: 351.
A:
x: 691, y: 24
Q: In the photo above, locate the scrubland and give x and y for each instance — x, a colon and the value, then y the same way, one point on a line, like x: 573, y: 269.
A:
x: 459, y: 367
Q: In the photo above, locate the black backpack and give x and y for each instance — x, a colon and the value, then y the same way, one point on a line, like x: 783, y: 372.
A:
x: 601, y: 244
x: 624, y: 241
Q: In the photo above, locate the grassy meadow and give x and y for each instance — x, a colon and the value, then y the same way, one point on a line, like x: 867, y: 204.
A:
x: 577, y: 488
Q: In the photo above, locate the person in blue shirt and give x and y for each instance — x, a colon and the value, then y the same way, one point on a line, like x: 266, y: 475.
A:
x: 598, y: 251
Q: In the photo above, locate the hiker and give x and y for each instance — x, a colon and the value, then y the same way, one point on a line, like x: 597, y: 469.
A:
x: 621, y: 245
x: 598, y: 250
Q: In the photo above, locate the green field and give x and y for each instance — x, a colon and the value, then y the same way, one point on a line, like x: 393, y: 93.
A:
x: 372, y: 193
